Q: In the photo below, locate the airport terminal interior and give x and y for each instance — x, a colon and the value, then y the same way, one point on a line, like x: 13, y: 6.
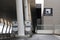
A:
x: 29, y: 19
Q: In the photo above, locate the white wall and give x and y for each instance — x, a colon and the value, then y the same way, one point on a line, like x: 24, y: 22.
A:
x: 55, y: 19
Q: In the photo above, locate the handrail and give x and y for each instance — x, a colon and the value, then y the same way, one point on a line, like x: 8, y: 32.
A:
x: 54, y: 27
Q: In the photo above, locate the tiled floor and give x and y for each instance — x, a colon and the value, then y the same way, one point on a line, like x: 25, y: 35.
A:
x: 37, y: 37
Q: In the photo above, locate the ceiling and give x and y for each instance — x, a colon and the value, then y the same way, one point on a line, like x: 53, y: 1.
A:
x: 8, y: 9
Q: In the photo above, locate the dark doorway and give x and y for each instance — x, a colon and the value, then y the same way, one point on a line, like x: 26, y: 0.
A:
x: 38, y: 12
x: 36, y: 17
x: 39, y: 18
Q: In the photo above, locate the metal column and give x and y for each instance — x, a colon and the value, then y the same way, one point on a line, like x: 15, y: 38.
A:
x: 26, y: 10
x: 27, y: 14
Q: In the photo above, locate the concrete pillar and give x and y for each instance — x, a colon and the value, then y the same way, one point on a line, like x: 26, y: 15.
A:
x: 19, y: 6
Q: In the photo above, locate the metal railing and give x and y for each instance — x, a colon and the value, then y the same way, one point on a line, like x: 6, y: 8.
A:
x: 54, y: 28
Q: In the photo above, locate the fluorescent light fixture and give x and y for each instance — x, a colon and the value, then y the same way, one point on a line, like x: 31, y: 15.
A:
x: 4, y: 30
x: 1, y: 27
x: 11, y: 30
x: 8, y: 29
